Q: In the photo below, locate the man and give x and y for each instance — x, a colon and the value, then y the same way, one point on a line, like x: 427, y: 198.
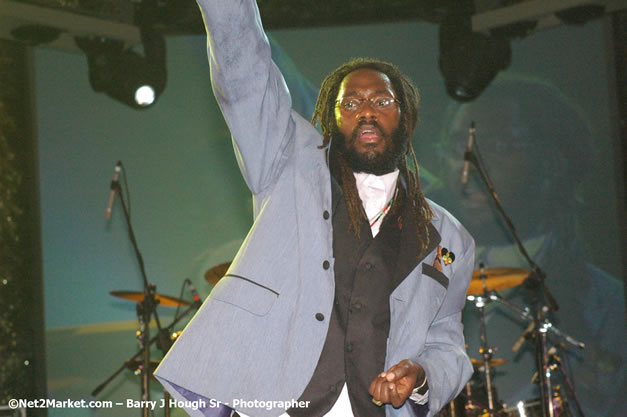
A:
x: 347, y: 272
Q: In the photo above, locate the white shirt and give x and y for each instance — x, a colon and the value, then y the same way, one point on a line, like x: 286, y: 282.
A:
x: 375, y: 193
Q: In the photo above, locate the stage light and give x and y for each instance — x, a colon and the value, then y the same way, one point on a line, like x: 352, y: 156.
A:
x: 469, y: 61
x: 122, y: 73
x: 119, y: 71
x: 145, y: 95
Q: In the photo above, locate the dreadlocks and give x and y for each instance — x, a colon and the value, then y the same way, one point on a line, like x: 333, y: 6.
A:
x: 324, y: 115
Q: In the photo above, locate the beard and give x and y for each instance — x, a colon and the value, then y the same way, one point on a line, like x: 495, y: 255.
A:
x: 377, y: 163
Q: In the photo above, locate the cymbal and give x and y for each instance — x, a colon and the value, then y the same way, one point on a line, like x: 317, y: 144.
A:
x: 496, y: 279
x: 138, y: 296
x: 478, y: 363
x: 216, y: 273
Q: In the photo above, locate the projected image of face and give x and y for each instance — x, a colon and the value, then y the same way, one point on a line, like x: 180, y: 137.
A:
x: 513, y: 162
x: 529, y: 155
x: 537, y: 149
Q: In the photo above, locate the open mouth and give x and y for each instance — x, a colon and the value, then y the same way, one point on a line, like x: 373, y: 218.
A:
x: 368, y: 134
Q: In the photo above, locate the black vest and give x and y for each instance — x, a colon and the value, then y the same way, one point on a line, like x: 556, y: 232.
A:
x: 367, y: 271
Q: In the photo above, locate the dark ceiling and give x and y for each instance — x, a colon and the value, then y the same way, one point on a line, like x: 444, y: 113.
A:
x: 49, y: 21
x: 183, y: 16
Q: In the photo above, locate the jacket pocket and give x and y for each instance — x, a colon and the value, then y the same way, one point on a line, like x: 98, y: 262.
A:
x: 433, y: 273
x: 245, y: 293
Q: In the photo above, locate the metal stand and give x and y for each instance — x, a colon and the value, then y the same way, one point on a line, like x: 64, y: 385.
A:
x: 541, y: 328
x: 557, y: 363
x: 485, y: 350
x: 139, y: 353
x: 535, y: 281
x: 146, y: 310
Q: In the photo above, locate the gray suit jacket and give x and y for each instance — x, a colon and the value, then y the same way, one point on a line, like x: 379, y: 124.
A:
x: 260, y: 333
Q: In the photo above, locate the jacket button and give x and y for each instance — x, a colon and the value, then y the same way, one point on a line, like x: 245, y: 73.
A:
x: 325, y: 215
x: 368, y: 265
x: 349, y: 347
x: 326, y: 264
x: 319, y: 316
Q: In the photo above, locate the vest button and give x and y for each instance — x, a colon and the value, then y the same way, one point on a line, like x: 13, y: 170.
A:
x: 319, y: 316
x: 357, y: 306
x: 368, y: 265
x: 326, y: 264
x: 326, y: 215
x: 349, y: 347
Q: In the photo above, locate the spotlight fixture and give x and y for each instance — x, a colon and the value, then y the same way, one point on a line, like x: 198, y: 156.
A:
x: 121, y: 72
x: 469, y: 61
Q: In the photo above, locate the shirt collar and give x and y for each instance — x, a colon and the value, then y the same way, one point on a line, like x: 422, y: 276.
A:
x: 385, y: 183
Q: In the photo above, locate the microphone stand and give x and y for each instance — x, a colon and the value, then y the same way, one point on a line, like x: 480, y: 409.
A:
x: 140, y: 352
x: 535, y: 281
x: 146, y: 310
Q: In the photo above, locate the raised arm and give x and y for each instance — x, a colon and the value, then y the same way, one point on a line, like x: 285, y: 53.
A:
x: 249, y: 88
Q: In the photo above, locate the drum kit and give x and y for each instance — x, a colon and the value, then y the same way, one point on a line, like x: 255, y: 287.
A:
x: 140, y: 363
x: 165, y: 337
x: 479, y: 396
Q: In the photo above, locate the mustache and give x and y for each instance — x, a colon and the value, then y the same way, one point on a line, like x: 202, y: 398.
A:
x: 372, y: 123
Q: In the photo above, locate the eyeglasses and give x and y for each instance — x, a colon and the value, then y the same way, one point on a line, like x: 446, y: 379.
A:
x: 353, y: 104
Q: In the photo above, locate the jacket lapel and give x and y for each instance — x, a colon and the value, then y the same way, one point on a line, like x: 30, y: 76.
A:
x: 408, y: 257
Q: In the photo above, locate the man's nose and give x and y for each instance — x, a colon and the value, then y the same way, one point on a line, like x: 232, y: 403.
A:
x: 366, y: 111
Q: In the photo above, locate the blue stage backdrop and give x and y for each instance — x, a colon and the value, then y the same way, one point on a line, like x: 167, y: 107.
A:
x: 542, y: 130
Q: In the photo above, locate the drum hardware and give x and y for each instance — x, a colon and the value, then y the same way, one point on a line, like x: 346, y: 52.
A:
x: 533, y: 407
x: 136, y: 365
x: 137, y: 360
x: 138, y: 296
x: 472, y: 401
x: 485, y: 350
x: 496, y: 279
x: 485, y: 280
x: 538, y: 330
x: 560, y: 402
x: 478, y: 363
x: 544, y: 328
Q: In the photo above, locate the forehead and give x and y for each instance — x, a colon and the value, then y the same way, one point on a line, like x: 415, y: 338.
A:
x: 364, y: 82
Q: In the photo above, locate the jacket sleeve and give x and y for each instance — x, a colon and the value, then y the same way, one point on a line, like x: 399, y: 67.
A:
x: 249, y: 88
x: 444, y: 357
